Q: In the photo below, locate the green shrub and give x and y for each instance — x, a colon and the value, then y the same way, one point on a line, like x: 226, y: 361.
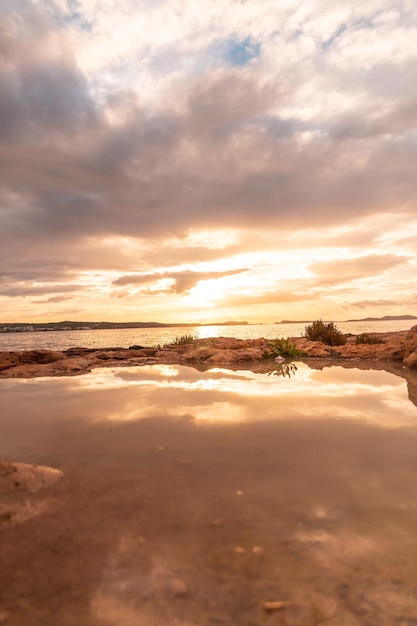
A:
x: 181, y: 340
x: 326, y: 332
x: 282, y: 347
x: 368, y: 339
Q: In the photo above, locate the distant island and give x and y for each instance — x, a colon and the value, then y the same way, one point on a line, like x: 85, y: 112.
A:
x: 69, y: 325
x: 386, y: 318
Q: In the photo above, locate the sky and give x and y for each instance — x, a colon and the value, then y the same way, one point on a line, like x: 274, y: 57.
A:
x: 207, y: 160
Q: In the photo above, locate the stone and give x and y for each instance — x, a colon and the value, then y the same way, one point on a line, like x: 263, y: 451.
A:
x: 277, y: 605
x: 26, y: 477
x: 12, y: 359
x: 178, y: 587
x: 410, y: 348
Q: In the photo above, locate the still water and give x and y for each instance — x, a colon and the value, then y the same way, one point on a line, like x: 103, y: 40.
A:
x: 190, y: 498
x: 125, y: 337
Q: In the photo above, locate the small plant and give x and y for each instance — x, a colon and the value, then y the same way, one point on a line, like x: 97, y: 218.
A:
x: 326, y: 332
x: 368, y: 339
x: 181, y: 340
x: 282, y: 347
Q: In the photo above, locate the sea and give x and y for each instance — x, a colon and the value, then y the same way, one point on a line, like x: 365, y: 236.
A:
x: 126, y: 337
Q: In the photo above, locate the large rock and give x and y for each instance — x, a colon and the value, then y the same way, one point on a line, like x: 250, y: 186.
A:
x: 314, y: 349
x: 12, y: 359
x: 225, y: 351
x: 410, y: 351
x: 391, y: 348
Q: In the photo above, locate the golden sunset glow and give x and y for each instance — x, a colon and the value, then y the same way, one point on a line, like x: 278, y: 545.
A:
x: 225, y: 396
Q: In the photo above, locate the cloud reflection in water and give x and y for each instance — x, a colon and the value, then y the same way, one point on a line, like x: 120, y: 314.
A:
x: 222, y: 395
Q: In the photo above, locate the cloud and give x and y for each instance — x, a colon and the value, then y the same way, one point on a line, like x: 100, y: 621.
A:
x: 54, y: 300
x: 335, y: 272
x: 137, y: 279
x: 150, y: 121
x: 207, y: 158
x: 23, y: 290
x: 273, y: 297
x: 41, y: 89
x: 363, y: 304
x: 182, y: 282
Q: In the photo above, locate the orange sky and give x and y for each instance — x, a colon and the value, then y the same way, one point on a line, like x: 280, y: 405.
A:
x: 199, y: 161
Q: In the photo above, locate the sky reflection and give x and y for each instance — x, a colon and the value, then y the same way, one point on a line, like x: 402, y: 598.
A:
x: 219, y: 395
x: 172, y: 473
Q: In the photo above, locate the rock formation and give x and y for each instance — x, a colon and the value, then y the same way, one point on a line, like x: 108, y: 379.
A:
x: 410, y: 348
x: 400, y: 347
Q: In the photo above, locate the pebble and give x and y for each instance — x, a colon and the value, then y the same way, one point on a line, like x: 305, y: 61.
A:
x: 178, y: 587
x: 278, y: 605
x: 217, y: 522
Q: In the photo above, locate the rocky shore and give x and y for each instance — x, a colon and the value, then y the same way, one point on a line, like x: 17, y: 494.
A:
x: 400, y: 347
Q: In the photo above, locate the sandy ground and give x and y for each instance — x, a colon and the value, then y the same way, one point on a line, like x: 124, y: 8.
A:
x: 186, y: 526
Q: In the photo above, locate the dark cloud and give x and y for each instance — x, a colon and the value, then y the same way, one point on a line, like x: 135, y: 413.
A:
x: 19, y: 290
x: 41, y: 89
x: 53, y: 300
x: 364, y: 304
x: 334, y: 272
x: 182, y: 281
x: 137, y: 279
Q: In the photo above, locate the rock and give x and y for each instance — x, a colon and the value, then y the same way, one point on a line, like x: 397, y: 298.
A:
x: 391, y: 348
x: 26, y: 357
x: 178, y: 587
x: 26, y: 477
x: 410, y: 348
x: 198, y: 353
x: 315, y: 349
x: 18, y: 481
x: 214, y: 351
x: 278, y: 605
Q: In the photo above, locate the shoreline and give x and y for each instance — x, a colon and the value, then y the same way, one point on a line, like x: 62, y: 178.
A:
x: 400, y: 347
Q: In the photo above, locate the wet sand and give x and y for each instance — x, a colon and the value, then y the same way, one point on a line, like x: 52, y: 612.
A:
x: 164, y: 521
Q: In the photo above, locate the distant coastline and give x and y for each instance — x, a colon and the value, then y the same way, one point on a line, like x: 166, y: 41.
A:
x: 22, y: 327
x: 28, y: 327
x: 385, y: 318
